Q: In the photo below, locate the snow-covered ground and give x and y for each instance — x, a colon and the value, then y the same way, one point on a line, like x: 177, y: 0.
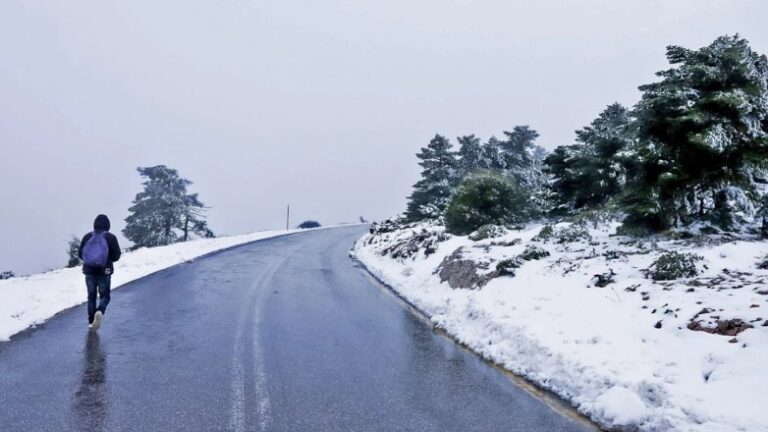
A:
x: 622, y: 354
x: 27, y: 301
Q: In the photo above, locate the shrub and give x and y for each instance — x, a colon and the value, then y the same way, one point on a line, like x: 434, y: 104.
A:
x: 486, y: 199
x: 574, y: 232
x: 673, y: 265
x: 486, y: 232
x: 545, y: 234
x: 309, y: 224
x: 508, y: 266
x: 7, y: 275
x: 533, y: 252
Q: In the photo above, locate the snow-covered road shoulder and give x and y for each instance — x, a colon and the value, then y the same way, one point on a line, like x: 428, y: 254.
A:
x: 635, y: 354
x: 29, y: 301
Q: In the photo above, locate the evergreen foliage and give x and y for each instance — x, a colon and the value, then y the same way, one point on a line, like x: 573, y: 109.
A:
x: 7, y: 274
x: 484, y: 199
x: 492, y: 157
x: 703, y: 138
x: 73, y: 252
x: 164, y: 213
x: 470, y: 155
x: 432, y: 192
x: 673, y: 265
x: 693, y: 151
x: 516, y: 151
x: 589, y: 173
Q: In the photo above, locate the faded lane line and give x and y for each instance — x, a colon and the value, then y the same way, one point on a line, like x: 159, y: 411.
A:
x: 237, y: 416
x: 252, y: 311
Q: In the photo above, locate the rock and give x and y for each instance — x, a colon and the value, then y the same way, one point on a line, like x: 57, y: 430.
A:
x: 461, y: 273
x: 658, y: 325
x: 730, y: 327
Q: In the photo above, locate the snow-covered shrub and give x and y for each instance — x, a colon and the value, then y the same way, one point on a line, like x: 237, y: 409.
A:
x: 424, y: 240
x: 533, y: 252
x: 387, y: 226
x: 673, y: 265
x: 574, y: 232
x: 486, y: 199
x: 7, y: 275
x: 507, y: 267
x: 545, y: 234
x: 487, y: 231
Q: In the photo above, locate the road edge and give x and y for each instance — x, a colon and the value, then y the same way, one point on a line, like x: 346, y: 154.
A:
x: 548, y: 397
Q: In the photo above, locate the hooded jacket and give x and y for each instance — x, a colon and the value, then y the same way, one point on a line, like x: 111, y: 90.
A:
x: 101, y: 224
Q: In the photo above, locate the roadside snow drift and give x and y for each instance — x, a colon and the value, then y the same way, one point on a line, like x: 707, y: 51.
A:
x: 27, y: 301
x: 688, y: 354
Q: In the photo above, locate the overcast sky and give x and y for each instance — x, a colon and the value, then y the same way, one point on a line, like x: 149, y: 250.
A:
x: 321, y: 104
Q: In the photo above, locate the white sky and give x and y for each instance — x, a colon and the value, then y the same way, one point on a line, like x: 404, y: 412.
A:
x: 321, y: 103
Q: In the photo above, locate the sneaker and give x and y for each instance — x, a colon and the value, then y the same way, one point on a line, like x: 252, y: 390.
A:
x: 90, y: 325
x: 96, y: 320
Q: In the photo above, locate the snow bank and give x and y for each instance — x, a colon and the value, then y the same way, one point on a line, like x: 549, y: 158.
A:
x: 623, y: 354
x: 28, y: 301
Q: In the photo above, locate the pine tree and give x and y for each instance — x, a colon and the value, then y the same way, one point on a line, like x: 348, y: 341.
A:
x: 163, y: 210
x: 703, y: 134
x: 516, y: 151
x: 492, y: 158
x: 73, y: 252
x: 470, y: 155
x: 588, y: 174
x: 431, y: 193
x: 193, y: 219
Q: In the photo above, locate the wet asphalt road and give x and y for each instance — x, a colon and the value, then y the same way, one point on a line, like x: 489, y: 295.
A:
x: 285, y: 334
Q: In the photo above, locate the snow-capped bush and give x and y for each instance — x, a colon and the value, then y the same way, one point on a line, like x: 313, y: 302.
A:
x: 533, y: 252
x: 545, y: 234
x: 422, y: 240
x: 673, y: 265
x: 487, y: 232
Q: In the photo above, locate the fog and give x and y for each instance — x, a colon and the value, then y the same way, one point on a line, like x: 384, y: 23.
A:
x: 318, y: 104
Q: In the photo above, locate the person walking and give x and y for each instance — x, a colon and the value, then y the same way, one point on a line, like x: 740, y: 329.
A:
x: 99, y: 249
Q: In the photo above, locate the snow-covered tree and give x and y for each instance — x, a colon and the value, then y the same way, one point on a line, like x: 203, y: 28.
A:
x: 431, y: 193
x: 193, y: 220
x: 516, y: 150
x: 470, y: 155
x: 492, y: 158
x: 163, y: 213
x: 703, y: 134
x: 73, y: 252
x: 592, y: 171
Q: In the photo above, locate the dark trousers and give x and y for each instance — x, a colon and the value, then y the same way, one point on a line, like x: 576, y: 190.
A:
x: 97, y: 284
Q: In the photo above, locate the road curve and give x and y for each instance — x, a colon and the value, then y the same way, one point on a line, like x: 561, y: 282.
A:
x: 286, y: 334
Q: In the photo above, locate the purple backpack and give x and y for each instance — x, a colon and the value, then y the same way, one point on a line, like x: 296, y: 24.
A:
x: 96, y: 250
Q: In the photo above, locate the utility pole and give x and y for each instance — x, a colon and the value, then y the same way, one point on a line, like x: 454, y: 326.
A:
x: 288, y: 218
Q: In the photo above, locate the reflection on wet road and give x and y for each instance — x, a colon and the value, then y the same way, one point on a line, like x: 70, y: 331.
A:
x: 91, y: 400
x: 279, y: 335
